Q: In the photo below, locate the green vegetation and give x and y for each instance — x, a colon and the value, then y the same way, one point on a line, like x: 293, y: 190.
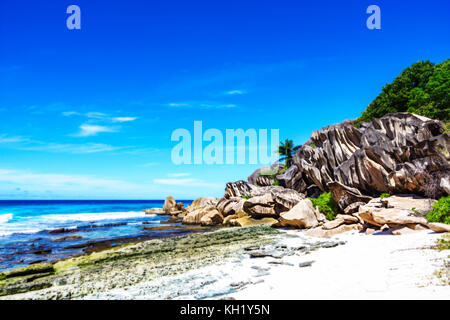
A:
x: 423, y: 89
x: 326, y: 205
x: 443, y: 243
x: 275, y: 183
x: 447, y: 127
x: 269, y: 173
x: 384, y: 195
x: 286, y: 150
x: 246, y: 197
x: 312, y: 145
x: 441, y: 211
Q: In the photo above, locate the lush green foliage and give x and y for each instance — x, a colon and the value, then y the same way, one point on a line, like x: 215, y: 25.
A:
x: 441, y: 211
x: 246, y: 197
x: 326, y: 205
x: 286, y: 150
x: 443, y: 243
x: 423, y: 88
x: 384, y: 195
x: 269, y: 173
x: 276, y: 183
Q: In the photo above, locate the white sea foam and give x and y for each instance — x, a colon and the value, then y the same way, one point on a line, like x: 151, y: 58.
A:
x: 55, y: 221
x: 5, y: 232
x: 95, y: 216
x: 5, y: 217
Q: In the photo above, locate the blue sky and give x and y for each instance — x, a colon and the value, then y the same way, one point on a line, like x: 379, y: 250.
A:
x: 89, y: 113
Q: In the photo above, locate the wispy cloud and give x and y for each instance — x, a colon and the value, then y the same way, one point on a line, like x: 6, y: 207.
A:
x: 188, y: 182
x: 23, y: 143
x: 177, y: 175
x: 8, y: 139
x: 72, y: 148
x: 123, y: 119
x: 235, y: 92
x: 149, y: 164
x: 62, y: 182
x: 99, y: 116
x: 88, y: 130
x: 202, y: 105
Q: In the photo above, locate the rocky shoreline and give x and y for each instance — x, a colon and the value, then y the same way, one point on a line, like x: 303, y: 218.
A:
x: 386, y: 174
x: 96, y: 275
x: 383, y: 178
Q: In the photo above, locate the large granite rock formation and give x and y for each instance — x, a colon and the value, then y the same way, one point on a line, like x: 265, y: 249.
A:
x: 302, y: 215
x: 203, y: 211
x: 398, y: 153
x: 261, y: 181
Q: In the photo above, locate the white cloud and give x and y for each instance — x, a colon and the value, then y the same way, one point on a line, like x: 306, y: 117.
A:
x: 7, y: 139
x: 87, y: 130
x: 149, y: 164
x: 63, y: 182
x: 188, y: 182
x: 99, y: 116
x: 23, y: 143
x: 70, y: 113
x: 123, y: 119
x: 71, y: 148
x: 177, y: 175
x: 202, y: 105
x: 179, y: 104
x: 235, y: 92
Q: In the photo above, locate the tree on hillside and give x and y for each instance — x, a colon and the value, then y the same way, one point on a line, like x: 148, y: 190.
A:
x: 423, y: 88
x: 286, y: 150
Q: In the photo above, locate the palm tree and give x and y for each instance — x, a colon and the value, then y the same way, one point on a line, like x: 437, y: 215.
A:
x: 286, y: 150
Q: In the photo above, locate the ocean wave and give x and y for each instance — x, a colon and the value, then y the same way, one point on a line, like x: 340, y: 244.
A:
x: 5, y: 233
x: 51, y: 222
x: 86, y: 217
x: 5, y: 217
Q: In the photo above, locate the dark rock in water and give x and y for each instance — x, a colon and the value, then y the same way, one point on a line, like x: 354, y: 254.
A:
x: 173, y: 219
x: 306, y: 264
x: 63, y: 230
x: 162, y: 228
x: 67, y: 238
x: 36, y: 261
x: 40, y: 251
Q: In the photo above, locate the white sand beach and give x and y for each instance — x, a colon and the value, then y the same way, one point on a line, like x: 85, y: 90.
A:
x: 365, y: 267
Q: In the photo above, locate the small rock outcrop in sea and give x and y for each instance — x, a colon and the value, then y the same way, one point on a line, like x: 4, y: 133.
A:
x: 170, y: 207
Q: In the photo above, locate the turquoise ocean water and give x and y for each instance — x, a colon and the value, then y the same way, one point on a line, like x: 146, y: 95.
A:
x: 30, y: 231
